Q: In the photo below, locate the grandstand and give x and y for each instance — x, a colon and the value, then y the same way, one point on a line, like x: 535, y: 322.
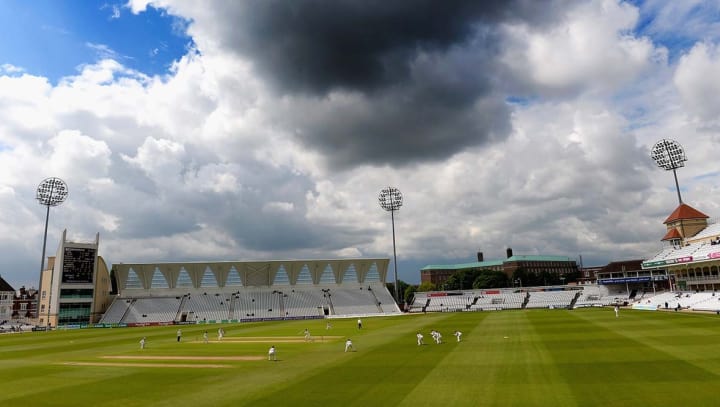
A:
x: 692, y: 254
x: 202, y: 292
x: 552, y: 299
x: 514, y: 298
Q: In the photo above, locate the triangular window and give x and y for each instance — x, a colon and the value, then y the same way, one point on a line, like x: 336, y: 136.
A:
x: 184, y: 278
x: 133, y: 281
x: 372, y: 275
x: 158, y: 280
x: 350, y: 275
x: 208, y: 279
x: 281, y: 277
x: 304, y: 277
x: 327, y: 276
x: 233, y: 278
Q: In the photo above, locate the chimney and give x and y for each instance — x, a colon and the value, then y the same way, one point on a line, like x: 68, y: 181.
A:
x: 509, y: 252
x: 480, y: 257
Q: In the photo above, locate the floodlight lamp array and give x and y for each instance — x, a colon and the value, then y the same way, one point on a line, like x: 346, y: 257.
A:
x: 390, y: 199
x: 668, y: 154
x: 52, y: 192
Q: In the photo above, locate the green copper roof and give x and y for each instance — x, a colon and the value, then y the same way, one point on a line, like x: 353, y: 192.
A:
x: 539, y: 258
x: 494, y: 263
x: 477, y: 264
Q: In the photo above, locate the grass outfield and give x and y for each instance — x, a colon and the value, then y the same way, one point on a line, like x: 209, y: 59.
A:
x: 583, y: 357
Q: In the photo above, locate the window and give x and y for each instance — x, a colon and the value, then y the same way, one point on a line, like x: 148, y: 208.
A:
x: 208, y: 279
x: 350, y: 275
x: 304, y: 277
x: 158, y: 280
x: 327, y: 276
x: 372, y: 275
x: 74, y: 313
x: 183, y: 278
x: 133, y: 281
x: 281, y: 277
x: 233, y: 278
x: 76, y: 293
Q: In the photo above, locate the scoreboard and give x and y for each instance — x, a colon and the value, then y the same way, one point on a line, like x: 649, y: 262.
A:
x: 78, y: 265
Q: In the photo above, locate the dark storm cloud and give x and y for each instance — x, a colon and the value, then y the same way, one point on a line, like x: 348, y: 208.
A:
x: 422, y: 75
x: 394, y: 130
x: 317, y: 45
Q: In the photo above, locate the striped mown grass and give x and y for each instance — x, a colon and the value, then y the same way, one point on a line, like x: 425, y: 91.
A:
x: 582, y: 357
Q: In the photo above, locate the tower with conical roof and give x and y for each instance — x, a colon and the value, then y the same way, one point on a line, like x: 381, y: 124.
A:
x: 683, y: 223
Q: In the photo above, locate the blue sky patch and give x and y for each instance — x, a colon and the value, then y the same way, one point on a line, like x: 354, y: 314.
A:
x: 52, y: 39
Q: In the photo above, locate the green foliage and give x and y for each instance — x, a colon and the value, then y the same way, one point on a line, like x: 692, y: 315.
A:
x: 402, y: 286
x: 460, y: 280
x: 491, y: 279
x: 467, y: 279
x: 426, y: 286
x: 543, y: 278
x: 410, y: 294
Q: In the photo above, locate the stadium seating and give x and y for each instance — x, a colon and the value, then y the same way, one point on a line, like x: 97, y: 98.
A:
x: 450, y: 303
x: 708, y: 302
x: 248, y: 304
x: 695, y: 301
x: 500, y: 299
x: 598, y: 295
x: 116, y: 311
x: 207, y: 307
x: 303, y: 302
x: 152, y: 309
x: 350, y: 301
x: 551, y: 299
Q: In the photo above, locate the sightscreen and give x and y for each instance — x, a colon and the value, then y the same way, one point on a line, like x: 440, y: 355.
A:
x: 78, y: 265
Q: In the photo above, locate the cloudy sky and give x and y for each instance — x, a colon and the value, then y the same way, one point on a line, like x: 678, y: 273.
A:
x: 265, y: 129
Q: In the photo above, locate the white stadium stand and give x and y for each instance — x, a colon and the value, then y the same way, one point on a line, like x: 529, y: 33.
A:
x: 246, y: 291
x: 551, y: 299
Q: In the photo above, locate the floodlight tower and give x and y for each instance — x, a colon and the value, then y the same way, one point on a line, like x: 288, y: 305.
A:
x: 51, y: 192
x: 391, y: 200
x: 669, y: 154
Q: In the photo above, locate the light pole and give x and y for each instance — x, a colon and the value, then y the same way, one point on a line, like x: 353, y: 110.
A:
x: 51, y: 192
x: 391, y: 200
x: 669, y: 154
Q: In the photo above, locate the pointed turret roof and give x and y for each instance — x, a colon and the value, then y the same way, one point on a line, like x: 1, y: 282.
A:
x: 685, y: 211
x: 671, y: 234
x: 4, y: 286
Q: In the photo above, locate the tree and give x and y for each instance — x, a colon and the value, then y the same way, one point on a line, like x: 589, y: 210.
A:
x: 459, y: 280
x: 410, y: 294
x: 402, y: 286
x: 426, y: 286
x: 490, y: 279
x: 522, y: 278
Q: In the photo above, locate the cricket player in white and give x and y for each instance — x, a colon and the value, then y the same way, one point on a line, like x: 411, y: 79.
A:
x: 349, y: 345
x: 458, y: 334
x: 419, y: 338
x: 271, y: 354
